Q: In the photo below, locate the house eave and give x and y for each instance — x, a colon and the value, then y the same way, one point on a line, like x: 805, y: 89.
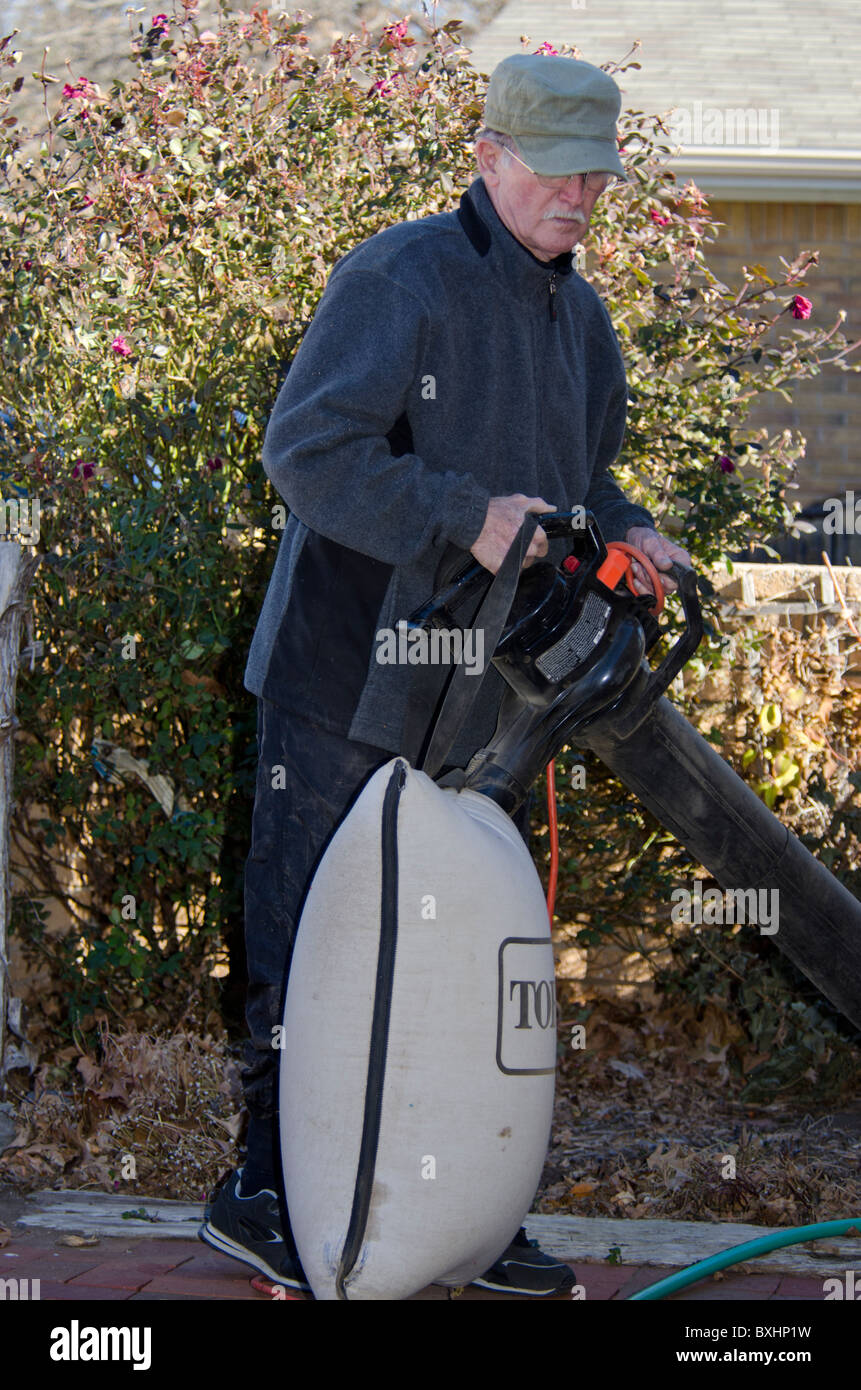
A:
x: 771, y: 176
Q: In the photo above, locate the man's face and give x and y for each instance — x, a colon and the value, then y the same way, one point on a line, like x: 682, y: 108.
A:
x: 547, y: 221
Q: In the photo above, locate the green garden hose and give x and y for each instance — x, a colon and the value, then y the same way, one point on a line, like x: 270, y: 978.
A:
x: 793, y: 1235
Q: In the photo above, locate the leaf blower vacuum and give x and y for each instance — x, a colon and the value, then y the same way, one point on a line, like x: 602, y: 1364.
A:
x: 417, y: 1076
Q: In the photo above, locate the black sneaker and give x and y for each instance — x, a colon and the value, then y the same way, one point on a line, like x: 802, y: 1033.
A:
x: 523, y: 1268
x: 250, y: 1229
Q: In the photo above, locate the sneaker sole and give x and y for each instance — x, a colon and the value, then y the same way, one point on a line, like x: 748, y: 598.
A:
x: 219, y: 1241
x: 512, y: 1288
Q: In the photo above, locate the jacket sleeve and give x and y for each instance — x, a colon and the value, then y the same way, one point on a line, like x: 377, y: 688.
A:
x: 325, y: 448
x: 614, y: 512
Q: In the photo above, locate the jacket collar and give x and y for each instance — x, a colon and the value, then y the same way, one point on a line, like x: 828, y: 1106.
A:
x: 524, y: 273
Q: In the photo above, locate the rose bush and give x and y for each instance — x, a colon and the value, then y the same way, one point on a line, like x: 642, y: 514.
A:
x: 162, y: 249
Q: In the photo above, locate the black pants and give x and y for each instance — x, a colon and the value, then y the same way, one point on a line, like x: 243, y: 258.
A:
x: 306, y: 780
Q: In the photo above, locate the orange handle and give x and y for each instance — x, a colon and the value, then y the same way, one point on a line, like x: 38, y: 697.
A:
x: 614, y: 567
x: 618, y: 563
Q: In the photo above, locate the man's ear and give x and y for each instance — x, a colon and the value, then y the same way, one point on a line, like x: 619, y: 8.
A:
x: 489, y: 156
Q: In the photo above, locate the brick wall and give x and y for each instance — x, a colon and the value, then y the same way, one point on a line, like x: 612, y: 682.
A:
x: 827, y: 409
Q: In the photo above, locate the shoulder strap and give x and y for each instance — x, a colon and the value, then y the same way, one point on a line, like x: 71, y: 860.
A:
x: 462, y: 689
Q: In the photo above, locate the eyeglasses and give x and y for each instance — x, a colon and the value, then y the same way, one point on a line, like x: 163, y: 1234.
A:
x: 592, y: 182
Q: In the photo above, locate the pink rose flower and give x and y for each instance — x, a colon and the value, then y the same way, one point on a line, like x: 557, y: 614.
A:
x: 83, y: 470
x: 801, y: 307
x: 161, y: 22
x: 382, y: 88
x: 121, y: 347
x: 659, y: 220
x: 83, y: 88
x: 548, y: 48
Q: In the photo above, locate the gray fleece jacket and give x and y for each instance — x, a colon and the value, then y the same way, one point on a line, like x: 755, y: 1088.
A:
x: 445, y: 364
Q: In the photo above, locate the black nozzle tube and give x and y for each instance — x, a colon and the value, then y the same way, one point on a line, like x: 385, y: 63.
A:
x: 692, y: 791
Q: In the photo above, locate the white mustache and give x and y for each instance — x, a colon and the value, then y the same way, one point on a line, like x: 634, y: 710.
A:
x: 568, y: 216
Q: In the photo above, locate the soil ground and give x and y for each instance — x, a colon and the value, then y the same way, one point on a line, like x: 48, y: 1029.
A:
x: 646, y: 1126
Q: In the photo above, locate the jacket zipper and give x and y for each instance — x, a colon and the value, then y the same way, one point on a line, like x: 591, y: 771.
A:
x: 551, y: 285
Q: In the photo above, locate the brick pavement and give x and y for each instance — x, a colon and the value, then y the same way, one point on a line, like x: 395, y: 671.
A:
x: 171, y: 1270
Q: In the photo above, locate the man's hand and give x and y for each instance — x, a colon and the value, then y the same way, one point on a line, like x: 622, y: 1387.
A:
x: 502, y: 523
x: 661, y: 552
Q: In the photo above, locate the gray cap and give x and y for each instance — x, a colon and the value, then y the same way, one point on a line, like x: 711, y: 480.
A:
x: 561, y: 112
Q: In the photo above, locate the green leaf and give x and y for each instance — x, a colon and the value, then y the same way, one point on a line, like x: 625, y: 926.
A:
x: 191, y: 650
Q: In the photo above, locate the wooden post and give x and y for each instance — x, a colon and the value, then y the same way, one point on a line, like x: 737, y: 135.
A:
x: 17, y: 567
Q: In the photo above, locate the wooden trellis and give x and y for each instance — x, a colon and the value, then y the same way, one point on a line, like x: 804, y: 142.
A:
x: 17, y: 567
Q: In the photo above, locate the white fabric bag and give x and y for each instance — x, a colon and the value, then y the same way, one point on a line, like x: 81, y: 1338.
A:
x: 417, y: 1075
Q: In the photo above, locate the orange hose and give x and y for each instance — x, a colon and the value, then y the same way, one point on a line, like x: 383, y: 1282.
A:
x: 554, y: 838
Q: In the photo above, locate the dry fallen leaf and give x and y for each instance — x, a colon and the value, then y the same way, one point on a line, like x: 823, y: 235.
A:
x: 78, y: 1240
x: 91, y: 1073
x: 233, y: 1124
x: 629, y: 1069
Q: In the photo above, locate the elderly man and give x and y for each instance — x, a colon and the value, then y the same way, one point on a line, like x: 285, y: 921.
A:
x: 458, y: 373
